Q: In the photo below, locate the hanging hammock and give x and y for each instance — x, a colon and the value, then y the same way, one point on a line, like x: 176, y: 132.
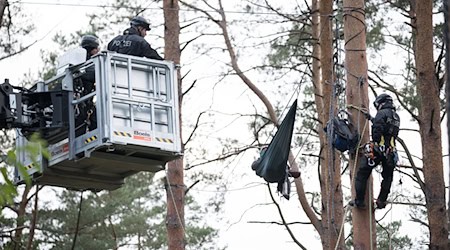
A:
x: 272, y: 165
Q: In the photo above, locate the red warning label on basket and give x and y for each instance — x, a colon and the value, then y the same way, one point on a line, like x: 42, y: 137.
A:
x: 60, y: 150
x: 142, y: 135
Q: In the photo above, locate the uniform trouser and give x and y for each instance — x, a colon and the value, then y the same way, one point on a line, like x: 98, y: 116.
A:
x: 364, y: 171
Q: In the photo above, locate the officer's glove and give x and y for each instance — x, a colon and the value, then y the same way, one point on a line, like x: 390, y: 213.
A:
x: 367, y: 116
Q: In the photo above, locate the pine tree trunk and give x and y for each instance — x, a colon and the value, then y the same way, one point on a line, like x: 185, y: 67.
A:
x: 447, y: 85
x: 357, y: 95
x: 332, y: 209
x: 430, y: 127
x: 318, y: 98
x: 175, y: 182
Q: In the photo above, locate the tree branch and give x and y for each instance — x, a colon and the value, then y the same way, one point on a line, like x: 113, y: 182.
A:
x: 191, y: 186
x: 411, y: 161
x: 283, y: 220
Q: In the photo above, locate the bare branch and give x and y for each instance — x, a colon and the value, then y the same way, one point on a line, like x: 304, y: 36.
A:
x: 191, y: 186
x: 415, y: 169
x: 19, y: 51
x: 242, y: 215
x: 190, y: 87
x: 195, y: 128
x: 222, y: 157
x: 283, y: 220
x: 279, y: 223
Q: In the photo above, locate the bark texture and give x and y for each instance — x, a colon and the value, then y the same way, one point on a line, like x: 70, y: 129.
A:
x: 332, y: 203
x: 430, y: 127
x: 364, y: 230
x: 175, y: 172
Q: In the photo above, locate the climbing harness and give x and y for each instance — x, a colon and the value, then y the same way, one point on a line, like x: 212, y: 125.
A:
x: 369, y: 153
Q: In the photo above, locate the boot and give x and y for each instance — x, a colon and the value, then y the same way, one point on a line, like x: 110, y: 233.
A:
x: 380, y: 204
x: 294, y: 174
x: 357, y: 203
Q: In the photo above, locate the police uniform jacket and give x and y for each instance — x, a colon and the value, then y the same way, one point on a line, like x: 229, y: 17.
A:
x: 385, y: 124
x: 131, y: 43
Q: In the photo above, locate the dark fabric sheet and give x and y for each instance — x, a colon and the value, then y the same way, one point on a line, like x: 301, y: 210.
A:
x: 272, y: 165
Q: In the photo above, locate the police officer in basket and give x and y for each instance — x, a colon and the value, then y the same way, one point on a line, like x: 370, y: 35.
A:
x: 132, y: 41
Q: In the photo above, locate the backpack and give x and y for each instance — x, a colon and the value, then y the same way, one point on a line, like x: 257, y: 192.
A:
x: 344, y: 135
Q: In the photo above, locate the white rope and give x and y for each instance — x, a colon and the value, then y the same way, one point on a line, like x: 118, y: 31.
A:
x: 352, y: 181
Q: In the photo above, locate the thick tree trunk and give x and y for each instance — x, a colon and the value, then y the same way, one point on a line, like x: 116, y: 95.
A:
x: 316, y: 73
x: 332, y: 206
x: 430, y: 127
x: 357, y: 95
x: 175, y: 182
x: 447, y: 85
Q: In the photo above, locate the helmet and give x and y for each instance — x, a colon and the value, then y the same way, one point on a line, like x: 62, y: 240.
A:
x: 89, y: 41
x: 383, y: 98
x: 140, y: 21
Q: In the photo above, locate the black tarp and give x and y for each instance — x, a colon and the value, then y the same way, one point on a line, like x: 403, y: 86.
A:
x: 272, y: 165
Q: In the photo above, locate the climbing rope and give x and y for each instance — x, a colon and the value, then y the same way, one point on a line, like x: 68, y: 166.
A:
x: 352, y: 181
x: 330, y: 129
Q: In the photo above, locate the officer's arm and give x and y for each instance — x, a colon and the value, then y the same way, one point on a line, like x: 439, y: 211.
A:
x: 89, y: 75
x: 110, y: 45
x: 149, y: 52
x: 378, y: 124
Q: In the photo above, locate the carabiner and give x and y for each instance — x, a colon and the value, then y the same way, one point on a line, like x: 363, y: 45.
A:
x: 370, y: 162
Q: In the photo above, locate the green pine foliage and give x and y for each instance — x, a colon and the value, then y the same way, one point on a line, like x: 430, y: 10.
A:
x: 132, y: 216
x: 8, y: 189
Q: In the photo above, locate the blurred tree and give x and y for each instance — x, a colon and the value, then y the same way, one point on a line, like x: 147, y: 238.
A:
x: 14, y: 25
x: 132, y: 216
x: 429, y: 117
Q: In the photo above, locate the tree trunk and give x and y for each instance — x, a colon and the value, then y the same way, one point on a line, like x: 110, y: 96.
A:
x: 430, y: 127
x: 357, y: 95
x: 3, y: 5
x: 33, y: 221
x: 175, y: 182
x: 447, y: 85
x: 332, y: 207
x: 21, y: 213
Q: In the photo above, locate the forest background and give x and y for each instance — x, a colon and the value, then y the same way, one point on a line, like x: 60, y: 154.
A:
x: 224, y: 122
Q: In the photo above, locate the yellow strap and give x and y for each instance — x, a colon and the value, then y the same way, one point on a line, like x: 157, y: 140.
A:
x: 382, y: 141
x: 392, y: 142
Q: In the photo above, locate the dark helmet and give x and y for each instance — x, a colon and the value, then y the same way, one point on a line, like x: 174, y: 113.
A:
x: 89, y: 41
x: 381, y: 99
x: 140, y: 21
